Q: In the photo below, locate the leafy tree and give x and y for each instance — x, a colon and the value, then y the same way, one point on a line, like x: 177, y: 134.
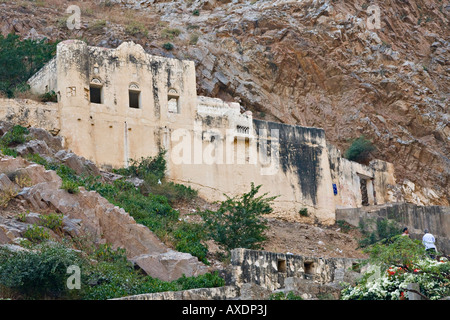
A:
x: 359, y: 149
x: 238, y: 223
x: 399, y: 251
x: 384, y: 229
x: 20, y: 59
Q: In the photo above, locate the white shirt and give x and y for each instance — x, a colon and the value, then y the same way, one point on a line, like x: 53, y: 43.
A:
x: 428, y: 241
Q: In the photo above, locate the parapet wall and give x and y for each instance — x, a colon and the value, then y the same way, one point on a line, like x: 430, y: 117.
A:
x: 32, y: 113
x: 255, y: 275
x: 416, y: 218
x: 220, y: 293
x: 271, y: 270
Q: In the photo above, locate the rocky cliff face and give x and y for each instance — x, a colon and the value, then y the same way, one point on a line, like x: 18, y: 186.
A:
x: 312, y: 63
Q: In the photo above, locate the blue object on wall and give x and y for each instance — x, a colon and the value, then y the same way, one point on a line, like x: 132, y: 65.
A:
x: 334, y: 189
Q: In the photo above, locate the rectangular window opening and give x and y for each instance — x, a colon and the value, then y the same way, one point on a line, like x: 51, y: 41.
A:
x: 95, y: 93
x: 281, y: 265
x: 134, y: 98
x: 309, y: 269
x: 173, y: 105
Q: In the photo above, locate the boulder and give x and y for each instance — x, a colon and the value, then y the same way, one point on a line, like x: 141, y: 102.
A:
x: 33, y: 218
x: 5, y: 183
x: 33, y: 147
x: 108, y: 223
x: 38, y: 174
x: 53, y: 142
x: 79, y: 164
x: 170, y: 265
x: 10, y: 230
x: 4, y: 238
x: 72, y: 226
x: 9, y: 164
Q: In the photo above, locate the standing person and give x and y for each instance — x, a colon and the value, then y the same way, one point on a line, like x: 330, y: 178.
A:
x: 428, y: 241
x: 405, y: 232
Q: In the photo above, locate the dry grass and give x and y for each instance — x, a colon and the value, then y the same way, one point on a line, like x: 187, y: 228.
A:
x: 23, y: 181
x: 7, y: 195
x: 27, y: 95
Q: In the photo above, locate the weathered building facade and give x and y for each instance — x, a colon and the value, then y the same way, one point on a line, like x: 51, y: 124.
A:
x: 120, y: 104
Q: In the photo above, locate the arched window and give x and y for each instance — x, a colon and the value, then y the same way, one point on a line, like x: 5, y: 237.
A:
x: 96, y: 91
x: 173, y: 101
x: 134, y: 94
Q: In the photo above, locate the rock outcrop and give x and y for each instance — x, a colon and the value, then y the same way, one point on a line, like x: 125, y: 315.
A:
x: 85, y: 213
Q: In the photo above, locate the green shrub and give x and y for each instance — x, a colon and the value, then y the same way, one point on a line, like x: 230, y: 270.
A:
x: 36, y: 158
x: 67, y: 173
x: 52, y: 221
x: 303, y: 212
x: 168, y: 46
x: 37, y: 273
x: 207, y: 280
x: 398, y: 250
x: 14, y: 137
x: 284, y: 296
x: 146, y: 168
x: 345, y: 227
x: 359, y: 149
x: 9, y: 152
x: 20, y: 59
x: 106, y: 253
x: 135, y: 28
x: 36, y: 234
x: 188, y: 237
x: 172, y: 191
x: 169, y: 33
x: 49, y: 97
x: 22, y: 216
x: 6, y: 195
x: 238, y: 222
x: 384, y: 230
x: 70, y: 186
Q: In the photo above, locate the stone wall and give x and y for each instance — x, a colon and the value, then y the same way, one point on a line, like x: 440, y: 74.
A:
x: 416, y: 218
x: 220, y: 293
x: 348, y: 176
x: 255, y: 275
x: 227, y: 150
x: 28, y: 112
x: 271, y: 270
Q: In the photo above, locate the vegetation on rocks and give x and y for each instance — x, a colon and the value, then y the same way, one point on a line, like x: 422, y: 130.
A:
x: 41, y: 272
x: 359, y: 149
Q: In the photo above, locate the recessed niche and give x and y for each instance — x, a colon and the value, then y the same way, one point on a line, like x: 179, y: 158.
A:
x: 281, y: 265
